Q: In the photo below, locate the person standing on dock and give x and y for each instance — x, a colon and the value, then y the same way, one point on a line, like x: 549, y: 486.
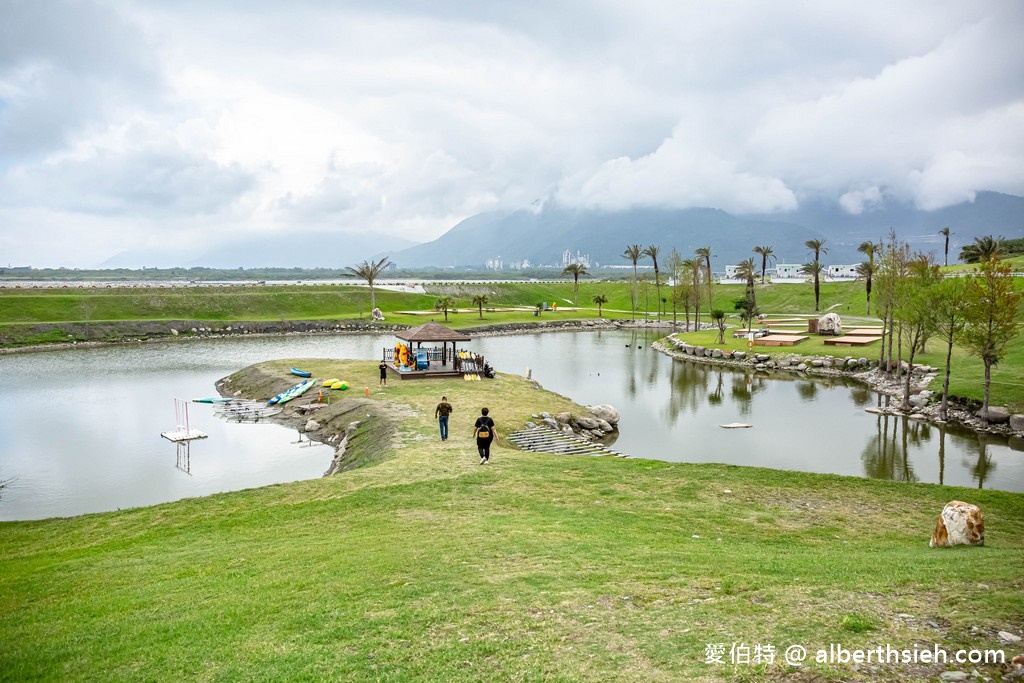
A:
x: 485, y: 434
x: 441, y: 413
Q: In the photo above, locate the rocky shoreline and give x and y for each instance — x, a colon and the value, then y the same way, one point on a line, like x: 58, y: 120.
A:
x: 924, y: 401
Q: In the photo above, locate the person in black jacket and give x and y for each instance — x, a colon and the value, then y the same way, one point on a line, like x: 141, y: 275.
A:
x: 485, y: 433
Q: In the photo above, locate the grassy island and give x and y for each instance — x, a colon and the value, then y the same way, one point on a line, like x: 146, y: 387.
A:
x: 422, y: 565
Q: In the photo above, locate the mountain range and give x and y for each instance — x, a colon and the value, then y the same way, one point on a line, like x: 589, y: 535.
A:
x: 541, y: 235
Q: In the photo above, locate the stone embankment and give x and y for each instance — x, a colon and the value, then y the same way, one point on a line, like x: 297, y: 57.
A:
x: 600, y: 425
x: 924, y: 403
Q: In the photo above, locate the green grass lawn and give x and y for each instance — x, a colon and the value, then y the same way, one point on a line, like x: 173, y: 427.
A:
x: 429, y: 567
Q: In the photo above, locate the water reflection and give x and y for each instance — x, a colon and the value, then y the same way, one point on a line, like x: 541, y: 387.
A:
x: 102, y: 452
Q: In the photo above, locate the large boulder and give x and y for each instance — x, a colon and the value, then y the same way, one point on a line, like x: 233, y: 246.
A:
x: 959, y: 524
x: 830, y: 323
x: 1017, y: 423
x: 605, y: 412
x: 996, y: 415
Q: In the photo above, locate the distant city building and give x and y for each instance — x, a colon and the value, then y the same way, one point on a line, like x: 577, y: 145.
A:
x: 493, y: 263
x: 788, y: 271
x: 842, y: 272
x: 568, y: 258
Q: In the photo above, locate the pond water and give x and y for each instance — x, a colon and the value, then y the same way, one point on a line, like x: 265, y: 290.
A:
x: 80, y: 429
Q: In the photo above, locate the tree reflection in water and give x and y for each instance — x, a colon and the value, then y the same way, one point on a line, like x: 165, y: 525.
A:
x: 689, y: 386
x: 983, y: 466
x: 886, y: 454
x: 806, y: 390
x: 715, y: 397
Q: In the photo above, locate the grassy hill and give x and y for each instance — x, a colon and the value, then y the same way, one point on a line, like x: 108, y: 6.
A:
x: 429, y: 567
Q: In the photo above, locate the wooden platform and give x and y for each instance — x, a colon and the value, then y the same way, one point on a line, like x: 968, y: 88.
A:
x: 852, y: 340
x: 866, y: 331
x: 547, y: 440
x: 780, y: 340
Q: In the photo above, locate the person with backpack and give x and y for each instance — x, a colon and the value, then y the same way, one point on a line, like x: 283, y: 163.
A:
x: 485, y: 433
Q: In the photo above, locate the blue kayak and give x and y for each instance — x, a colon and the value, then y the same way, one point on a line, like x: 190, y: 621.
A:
x: 301, y: 373
x: 293, y: 392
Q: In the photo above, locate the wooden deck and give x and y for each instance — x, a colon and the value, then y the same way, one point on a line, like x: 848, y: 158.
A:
x: 852, y: 340
x: 780, y: 340
x: 866, y: 331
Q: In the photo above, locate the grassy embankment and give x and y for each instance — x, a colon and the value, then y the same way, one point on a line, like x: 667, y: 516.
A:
x: 428, y: 566
x: 73, y: 310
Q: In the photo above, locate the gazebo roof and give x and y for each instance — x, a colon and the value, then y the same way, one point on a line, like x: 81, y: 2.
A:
x: 428, y: 332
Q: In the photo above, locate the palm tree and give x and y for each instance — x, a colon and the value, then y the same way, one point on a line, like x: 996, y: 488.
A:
x: 818, y: 247
x: 633, y: 252
x: 576, y: 270
x: 600, y: 300
x: 746, y: 271
x: 652, y: 251
x: 704, y: 254
x: 984, y: 249
x: 369, y: 272
x: 765, y: 253
x: 946, y: 233
x: 867, y: 269
x: 814, y: 269
x: 445, y: 303
x: 480, y: 300
x: 692, y: 266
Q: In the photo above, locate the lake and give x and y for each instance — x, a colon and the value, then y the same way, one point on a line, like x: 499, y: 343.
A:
x: 80, y: 431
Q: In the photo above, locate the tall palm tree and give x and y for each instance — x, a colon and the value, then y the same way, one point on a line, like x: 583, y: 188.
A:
x: 633, y: 252
x: 814, y: 269
x: 369, y: 272
x: 652, y: 252
x: 600, y: 300
x: 983, y: 249
x: 480, y: 300
x: 576, y: 270
x: 818, y: 247
x: 945, y: 232
x: 867, y: 269
x: 445, y: 303
x: 746, y: 270
x: 691, y: 267
x: 765, y: 253
x: 704, y: 254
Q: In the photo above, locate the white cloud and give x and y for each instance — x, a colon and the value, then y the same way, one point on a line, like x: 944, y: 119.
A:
x: 154, y: 121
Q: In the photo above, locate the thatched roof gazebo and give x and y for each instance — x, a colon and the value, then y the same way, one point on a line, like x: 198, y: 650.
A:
x: 440, y: 361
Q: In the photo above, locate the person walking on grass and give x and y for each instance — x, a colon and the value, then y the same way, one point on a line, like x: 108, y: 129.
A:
x: 441, y: 413
x: 485, y: 434
x: 383, y: 374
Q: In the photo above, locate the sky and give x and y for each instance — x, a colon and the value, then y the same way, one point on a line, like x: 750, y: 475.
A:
x: 179, y: 124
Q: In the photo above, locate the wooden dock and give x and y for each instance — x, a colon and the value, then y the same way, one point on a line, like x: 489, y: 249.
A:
x: 852, y: 340
x: 780, y: 340
x: 547, y: 440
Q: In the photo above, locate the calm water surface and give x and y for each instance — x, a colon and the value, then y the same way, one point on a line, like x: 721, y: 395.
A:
x: 80, y: 429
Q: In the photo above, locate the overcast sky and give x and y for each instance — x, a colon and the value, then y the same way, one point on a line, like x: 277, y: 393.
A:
x: 146, y: 124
